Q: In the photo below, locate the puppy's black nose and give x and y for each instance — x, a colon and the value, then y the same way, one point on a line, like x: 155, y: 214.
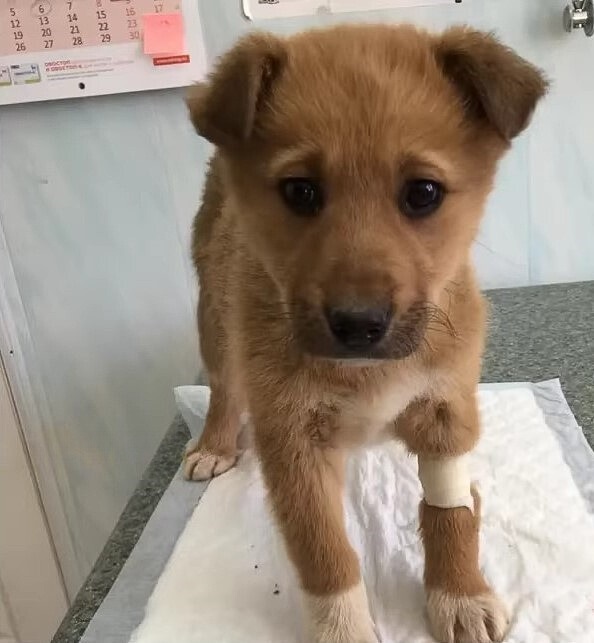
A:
x: 358, y: 328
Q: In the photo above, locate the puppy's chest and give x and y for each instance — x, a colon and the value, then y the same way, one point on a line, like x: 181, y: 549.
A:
x: 368, y: 418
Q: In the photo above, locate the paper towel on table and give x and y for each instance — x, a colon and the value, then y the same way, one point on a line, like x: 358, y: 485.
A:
x: 192, y: 403
x: 221, y: 581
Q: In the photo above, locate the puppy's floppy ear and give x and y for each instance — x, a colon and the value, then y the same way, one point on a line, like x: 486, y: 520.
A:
x: 224, y: 109
x: 496, y: 84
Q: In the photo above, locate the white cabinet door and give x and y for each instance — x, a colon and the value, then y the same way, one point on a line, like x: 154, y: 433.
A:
x: 32, y: 596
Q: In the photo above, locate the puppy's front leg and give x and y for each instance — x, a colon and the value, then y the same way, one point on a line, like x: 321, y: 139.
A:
x: 462, y: 608
x: 304, y: 477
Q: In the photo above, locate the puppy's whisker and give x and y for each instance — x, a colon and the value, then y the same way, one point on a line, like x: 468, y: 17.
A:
x: 438, y: 319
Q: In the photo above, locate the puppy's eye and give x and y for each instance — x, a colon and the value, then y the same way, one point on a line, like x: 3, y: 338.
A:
x: 420, y: 198
x: 303, y: 196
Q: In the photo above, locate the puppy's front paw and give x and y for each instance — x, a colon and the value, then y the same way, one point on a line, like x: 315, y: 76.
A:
x: 342, y: 618
x: 467, y: 619
x: 203, y: 464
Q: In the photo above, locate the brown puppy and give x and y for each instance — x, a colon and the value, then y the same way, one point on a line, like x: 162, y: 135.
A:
x: 337, y: 302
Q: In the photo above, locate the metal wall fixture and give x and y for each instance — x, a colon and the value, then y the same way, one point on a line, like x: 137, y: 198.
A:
x: 579, y: 15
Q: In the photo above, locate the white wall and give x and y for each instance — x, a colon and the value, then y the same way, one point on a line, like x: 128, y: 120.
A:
x: 96, y: 202
x: 96, y: 199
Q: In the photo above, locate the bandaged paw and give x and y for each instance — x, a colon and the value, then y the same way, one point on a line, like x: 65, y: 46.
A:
x: 467, y: 619
x: 446, y: 482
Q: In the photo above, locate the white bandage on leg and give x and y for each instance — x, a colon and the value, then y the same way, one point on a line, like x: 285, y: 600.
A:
x: 446, y: 482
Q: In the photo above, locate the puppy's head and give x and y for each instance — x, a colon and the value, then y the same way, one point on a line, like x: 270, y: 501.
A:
x: 359, y: 160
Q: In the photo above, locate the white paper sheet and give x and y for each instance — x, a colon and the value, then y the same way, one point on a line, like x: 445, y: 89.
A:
x: 536, y: 545
x: 264, y: 9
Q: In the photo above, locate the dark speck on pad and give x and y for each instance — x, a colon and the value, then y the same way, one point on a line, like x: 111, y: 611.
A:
x: 276, y: 591
x: 255, y: 566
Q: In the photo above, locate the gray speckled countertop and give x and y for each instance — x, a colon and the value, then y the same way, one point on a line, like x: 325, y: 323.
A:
x: 536, y: 333
x: 543, y: 332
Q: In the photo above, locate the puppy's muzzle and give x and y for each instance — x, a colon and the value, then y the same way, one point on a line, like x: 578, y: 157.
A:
x: 358, y: 328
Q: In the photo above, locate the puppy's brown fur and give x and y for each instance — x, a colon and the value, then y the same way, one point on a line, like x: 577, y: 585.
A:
x: 362, y: 110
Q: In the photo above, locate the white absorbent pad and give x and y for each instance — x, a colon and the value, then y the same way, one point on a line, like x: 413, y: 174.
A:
x: 228, y: 579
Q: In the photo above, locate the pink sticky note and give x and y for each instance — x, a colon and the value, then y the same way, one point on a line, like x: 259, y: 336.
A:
x: 163, y: 33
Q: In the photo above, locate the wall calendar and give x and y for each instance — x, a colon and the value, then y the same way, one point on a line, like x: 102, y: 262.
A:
x: 52, y: 49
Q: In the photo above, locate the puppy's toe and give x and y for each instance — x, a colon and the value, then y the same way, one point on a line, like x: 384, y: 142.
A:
x: 361, y: 633
x: 342, y: 618
x: 203, y: 465
x: 467, y: 619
